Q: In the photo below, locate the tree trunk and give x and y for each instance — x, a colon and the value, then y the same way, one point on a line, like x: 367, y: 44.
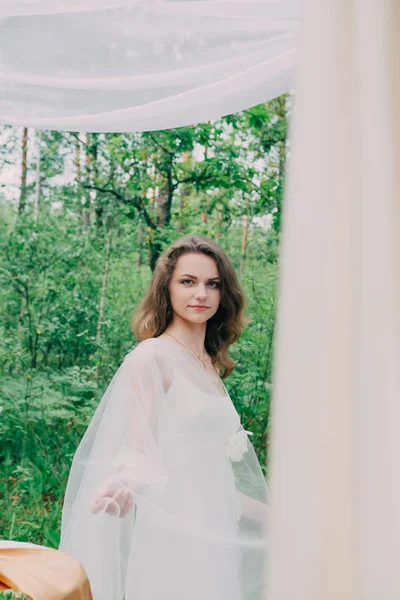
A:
x: 244, y: 243
x: 93, y: 146
x: 203, y: 213
x: 77, y: 160
x: 24, y: 171
x: 90, y: 160
x: 281, y: 112
x: 20, y: 327
x: 218, y: 233
x: 165, y: 195
x: 37, y: 185
x: 32, y: 337
x: 78, y: 175
x: 139, y: 261
x: 184, y: 193
x: 104, y: 288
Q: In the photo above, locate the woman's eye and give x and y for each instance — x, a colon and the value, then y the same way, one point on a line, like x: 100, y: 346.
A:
x: 214, y: 284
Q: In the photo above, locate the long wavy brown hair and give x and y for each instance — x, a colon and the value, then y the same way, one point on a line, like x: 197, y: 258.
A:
x: 154, y: 314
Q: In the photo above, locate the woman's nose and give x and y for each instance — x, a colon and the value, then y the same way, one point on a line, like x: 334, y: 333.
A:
x: 201, y: 291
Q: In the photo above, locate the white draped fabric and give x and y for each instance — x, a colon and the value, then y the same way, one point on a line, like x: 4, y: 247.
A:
x: 130, y: 65
x: 336, y: 444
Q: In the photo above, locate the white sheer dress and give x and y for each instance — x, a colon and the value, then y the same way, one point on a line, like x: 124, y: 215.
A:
x: 165, y: 434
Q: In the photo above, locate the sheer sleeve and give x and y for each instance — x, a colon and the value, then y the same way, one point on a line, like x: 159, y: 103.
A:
x: 117, y: 466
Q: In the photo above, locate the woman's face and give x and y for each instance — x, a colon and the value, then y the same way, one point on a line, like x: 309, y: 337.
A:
x: 195, y: 283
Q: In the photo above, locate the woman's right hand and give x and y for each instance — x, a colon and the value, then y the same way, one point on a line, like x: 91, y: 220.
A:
x: 114, y: 499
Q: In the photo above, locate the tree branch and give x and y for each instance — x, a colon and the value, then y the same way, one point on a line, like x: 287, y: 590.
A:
x: 136, y: 201
x: 76, y: 136
x: 157, y: 143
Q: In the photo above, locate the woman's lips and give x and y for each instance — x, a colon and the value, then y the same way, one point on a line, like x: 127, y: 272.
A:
x: 199, y: 308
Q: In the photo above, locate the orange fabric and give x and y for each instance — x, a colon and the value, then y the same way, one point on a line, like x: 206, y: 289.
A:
x: 43, y: 574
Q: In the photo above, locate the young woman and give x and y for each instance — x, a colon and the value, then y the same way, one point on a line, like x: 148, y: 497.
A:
x: 166, y: 499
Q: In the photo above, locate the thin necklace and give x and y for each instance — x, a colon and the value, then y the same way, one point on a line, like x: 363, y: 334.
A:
x: 203, y: 362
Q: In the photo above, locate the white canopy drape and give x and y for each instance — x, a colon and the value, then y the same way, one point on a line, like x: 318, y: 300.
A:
x: 130, y: 65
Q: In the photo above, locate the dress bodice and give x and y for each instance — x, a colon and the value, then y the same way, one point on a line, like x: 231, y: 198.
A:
x: 190, y: 412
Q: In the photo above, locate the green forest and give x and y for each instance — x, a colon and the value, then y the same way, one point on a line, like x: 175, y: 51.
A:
x: 83, y: 219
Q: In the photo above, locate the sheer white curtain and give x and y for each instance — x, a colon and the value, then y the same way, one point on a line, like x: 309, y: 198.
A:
x: 336, y: 442
x: 115, y: 65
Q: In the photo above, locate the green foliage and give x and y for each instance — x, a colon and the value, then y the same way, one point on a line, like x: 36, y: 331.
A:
x: 76, y: 259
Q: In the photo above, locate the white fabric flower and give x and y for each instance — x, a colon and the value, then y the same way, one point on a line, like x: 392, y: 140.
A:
x: 238, y: 445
